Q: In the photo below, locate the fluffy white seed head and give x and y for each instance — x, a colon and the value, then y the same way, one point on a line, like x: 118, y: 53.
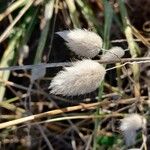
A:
x: 82, y: 77
x: 115, y: 53
x: 82, y: 42
x: 129, y: 127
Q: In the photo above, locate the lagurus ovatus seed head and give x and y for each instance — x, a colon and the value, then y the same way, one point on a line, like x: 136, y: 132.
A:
x: 82, y: 42
x: 129, y: 127
x: 115, y: 53
x: 82, y: 77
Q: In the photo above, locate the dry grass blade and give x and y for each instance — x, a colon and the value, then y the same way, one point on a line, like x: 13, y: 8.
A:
x: 11, y: 8
x: 9, y: 28
x: 140, y: 37
x: 81, y: 106
x: 46, y: 114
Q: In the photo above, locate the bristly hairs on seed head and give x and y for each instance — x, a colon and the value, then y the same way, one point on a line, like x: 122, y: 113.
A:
x: 82, y: 77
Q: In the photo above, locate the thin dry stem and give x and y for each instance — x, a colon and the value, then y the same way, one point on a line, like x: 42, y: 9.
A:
x: 63, y: 110
x: 63, y: 64
x: 11, y: 8
x: 9, y: 28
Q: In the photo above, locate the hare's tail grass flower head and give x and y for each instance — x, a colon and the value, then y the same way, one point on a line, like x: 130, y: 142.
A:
x: 82, y: 77
x: 113, y: 54
x: 129, y: 127
x: 82, y: 42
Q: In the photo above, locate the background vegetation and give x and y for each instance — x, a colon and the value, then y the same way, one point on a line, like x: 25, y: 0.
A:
x: 92, y: 121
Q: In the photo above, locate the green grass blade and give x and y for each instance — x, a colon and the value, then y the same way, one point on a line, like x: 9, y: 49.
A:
x: 19, y: 37
x: 7, y: 60
x: 89, y: 15
x: 73, y: 13
x: 108, y: 14
x: 134, y: 49
x: 44, y: 34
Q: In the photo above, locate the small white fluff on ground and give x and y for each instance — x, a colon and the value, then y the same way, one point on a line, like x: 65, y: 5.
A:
x: 115, y: 53
x: 82, y: 42
x: 82, y: 77
x: 129, y: 127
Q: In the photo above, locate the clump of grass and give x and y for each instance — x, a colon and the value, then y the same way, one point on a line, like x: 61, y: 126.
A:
x: 33, y: 23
